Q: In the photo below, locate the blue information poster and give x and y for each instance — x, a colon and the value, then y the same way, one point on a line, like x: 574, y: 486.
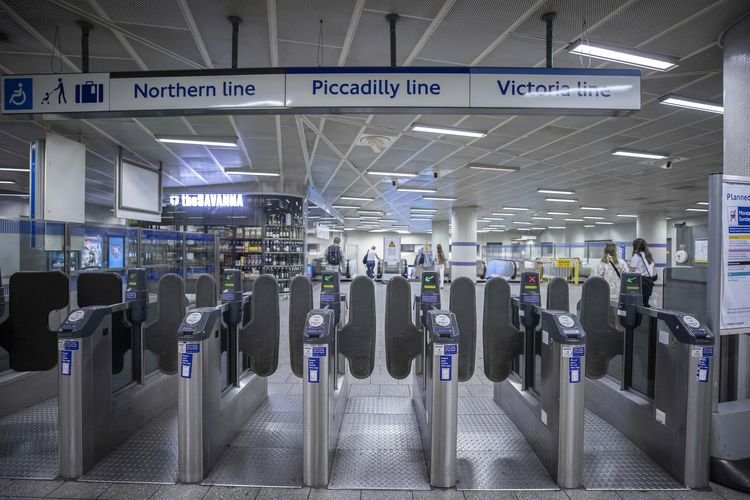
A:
x: 116, y: 255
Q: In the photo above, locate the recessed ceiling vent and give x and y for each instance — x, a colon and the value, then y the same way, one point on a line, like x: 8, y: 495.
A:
x: 378, y: 143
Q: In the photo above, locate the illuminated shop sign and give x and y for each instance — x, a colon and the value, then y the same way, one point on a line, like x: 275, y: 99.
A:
x: 207, y: 200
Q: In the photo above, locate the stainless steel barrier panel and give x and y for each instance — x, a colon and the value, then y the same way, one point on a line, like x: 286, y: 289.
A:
x: 435, y: 396
x: 544, y: 393
x: 93, y: 418
x: 214, y: 403
x: 671, y: 421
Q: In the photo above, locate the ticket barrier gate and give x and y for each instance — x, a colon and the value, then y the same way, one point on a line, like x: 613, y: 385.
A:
x: 214, y: 403
x: 326, y: 348
x: 94, y: 417
x: 26, y: 336
x: 671, y: 421
x: 434, y: 344
x: 537, y: 358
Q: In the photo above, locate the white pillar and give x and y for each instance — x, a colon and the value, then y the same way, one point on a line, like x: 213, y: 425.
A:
x: 463, y: 243
x: 653, y: 229
x: 440, y: 235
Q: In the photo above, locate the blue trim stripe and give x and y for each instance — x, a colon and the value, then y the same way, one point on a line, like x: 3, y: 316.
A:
x: 464, y: 243
x: 657, y: 245
x: 463, y: 263
x: 556, y: 71
x: 376, y: 70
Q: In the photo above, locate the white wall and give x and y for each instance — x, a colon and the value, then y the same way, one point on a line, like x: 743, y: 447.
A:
x: 579, y: 234
x: 14, y: 208
x: 364, y: 240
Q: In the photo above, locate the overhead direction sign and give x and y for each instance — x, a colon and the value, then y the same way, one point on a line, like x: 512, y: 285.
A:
x: 327, y: 90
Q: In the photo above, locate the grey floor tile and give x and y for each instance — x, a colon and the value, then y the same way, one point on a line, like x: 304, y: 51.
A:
x: 180, y: 491
x: 438, y: 494
x: 324, y: 494
x: 728, y: 493
x: 592, y: 495
x: 481, y: 391
x: 295, y: 390
x: 25, y: 488
x: 386, y: 495
x: 541, y: 495
x: 695, y: 495
x: 463, y: 391
x: 220, y: 492
x: 283, y: 494
x: 644, y: 495
x: 73, y: 489
x: 364, y: 390
x: 129, y: 491
x: 394, y: 390
x: 278, y: 388
x: 490, y: 495
x: 359, y: 381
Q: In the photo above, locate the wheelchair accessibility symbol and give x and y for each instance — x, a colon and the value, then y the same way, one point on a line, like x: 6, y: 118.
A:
x: 18, y: 93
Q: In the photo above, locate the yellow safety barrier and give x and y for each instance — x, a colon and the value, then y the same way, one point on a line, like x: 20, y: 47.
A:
x: 558, y: 268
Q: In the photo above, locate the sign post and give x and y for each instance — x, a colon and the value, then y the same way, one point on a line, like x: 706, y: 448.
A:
x: 391, y: 256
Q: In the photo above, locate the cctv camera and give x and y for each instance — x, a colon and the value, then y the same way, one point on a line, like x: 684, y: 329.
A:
x: 393, y: 182
x: 435, y: 174
x: 667, y: 165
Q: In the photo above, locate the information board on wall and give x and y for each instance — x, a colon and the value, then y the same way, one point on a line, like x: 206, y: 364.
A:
x: 392, y: 250
x: 735, y: 299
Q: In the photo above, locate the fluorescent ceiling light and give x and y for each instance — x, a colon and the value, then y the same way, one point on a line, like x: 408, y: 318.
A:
x: 12, y: 169
x: 517, y: 209
x: 542, y: 218
x: 223, y: 142
x: 504, y: 214
x: 556, y: 227
x: 704, y: 203
x: 623, y: 55
x: 188, y: 217
x: 343, y: 207
x: 604, y: 223
x: 21, y: 195
x: 496, y: 225
x: 494, y: 168
x: 370, y: 212
x: 7, y: 182
x: 690, y: 103
x: 392, y: 174
x: 632, y: 216
x: 238, y: 216
x: 437, y: 129
x: 388, y: 220
x: 369, y: 217
x: 523, y: 229
x: 424, y: 209
x: 561, y: 200
x: 639, y: 154
x: 696, y: 209
x: 416, y: 190
x: 251, y: 172
x: 439, y: 198
x: 591, y: 217
x: 538, y: 228
x: 351, y: 218
x: 313, y: 216
x: 574, y: 220
x: 589, y: 225
x: 594, y: 209
x: 493, y: 218
x: 554, y: 191
x: 356, y: 198
x: 349, y: 229
x: 558, y: 213
x: 520, y: 223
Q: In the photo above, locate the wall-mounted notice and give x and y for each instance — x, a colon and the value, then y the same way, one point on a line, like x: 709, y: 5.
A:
x: 391, y: 250
x: 735, y: 299
x: 700, y: 251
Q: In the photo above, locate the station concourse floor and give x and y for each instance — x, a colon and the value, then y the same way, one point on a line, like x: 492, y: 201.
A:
x: 284, y: 386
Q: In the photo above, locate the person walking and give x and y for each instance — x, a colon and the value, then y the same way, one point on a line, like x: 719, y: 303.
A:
x: 372, y: 258
x: 441, y: 264
x: 611, y: 268
x: 643, y: 263
x: 333, y: 255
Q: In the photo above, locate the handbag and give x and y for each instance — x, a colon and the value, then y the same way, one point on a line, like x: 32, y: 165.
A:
x: 364, y: 260
x: 651, y: 278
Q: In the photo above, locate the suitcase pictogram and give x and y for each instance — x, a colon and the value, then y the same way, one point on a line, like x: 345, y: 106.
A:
x: 89, y: 92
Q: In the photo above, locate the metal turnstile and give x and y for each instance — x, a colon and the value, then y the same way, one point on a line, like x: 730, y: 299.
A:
x: 28, y: 385
x: 537, y: 358
x: 652, y: 382
x: 329, y: 347
x: 96, y: 414
x: 434, y: 346
x: 225, y: 352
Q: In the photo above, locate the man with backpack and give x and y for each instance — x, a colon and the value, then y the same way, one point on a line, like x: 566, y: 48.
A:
x: 333, y: 255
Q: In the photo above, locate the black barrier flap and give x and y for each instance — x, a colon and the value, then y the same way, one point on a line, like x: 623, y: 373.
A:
x: 205, y: 291
x: 259, y: 339
x: 501, y: 341
x: 31, y: 345
x: 557, y: 295
x: 630, y: 299
x: 300, y: 303
x: 105, y: 289
x: 357, y: 338
x: 603, y: 341
x: 161, y: 335
x: 463, y: 304
x: 403, y: 341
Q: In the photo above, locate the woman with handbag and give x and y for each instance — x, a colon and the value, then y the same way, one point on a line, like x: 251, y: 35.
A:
x: 643, y: 264
x: 611, y: 268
